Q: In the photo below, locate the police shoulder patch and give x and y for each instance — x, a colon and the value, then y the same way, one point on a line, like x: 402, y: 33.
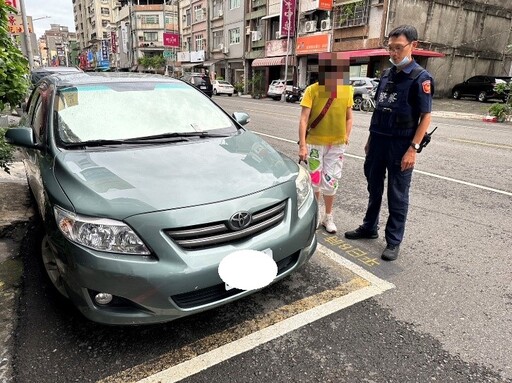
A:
x: 426, y: 86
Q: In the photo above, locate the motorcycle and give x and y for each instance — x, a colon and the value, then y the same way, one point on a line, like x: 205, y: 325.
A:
x: 295, y: 94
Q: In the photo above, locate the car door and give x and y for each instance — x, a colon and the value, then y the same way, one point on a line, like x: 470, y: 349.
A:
x: 36, y: 161
x: 474, y: 85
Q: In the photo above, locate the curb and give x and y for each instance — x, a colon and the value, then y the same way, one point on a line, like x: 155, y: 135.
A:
x: 16, y: 212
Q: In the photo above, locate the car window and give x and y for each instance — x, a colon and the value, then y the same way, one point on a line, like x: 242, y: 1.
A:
x: 135, y: 110
x: 224, y: 83
x: 38, y: 119
x: 475, y: 79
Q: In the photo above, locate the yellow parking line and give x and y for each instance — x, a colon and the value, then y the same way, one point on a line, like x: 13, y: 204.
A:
x: 481, y: 143
x: 213, y: 349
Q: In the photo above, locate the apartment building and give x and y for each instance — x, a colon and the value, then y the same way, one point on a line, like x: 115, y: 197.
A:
x: 56, y: 46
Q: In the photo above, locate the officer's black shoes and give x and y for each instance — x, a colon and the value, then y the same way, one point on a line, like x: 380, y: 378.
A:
x: 390, y: 253
x: 361, y: 233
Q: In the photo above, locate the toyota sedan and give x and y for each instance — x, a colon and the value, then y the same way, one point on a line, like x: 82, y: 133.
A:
x: 145, y: 186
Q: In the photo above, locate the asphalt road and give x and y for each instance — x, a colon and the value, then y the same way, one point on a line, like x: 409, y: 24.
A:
x: 449, y: 317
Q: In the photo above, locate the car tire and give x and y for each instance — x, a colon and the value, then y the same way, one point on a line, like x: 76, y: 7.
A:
x: 230, y: 94
x: 357, y: 102
x: 456, y: 94
x: 215, y: 92
x: 482, y: 97
x: 49, y: 260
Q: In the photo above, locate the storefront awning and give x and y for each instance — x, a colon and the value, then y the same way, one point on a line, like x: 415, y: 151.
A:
x: 190, y: 65
x: 270, y: 16
x: 273, y: 61
x: 384, y: 52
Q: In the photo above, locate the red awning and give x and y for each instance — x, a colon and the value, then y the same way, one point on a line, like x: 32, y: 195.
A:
x: 272, y: 61
x: 384, y: 52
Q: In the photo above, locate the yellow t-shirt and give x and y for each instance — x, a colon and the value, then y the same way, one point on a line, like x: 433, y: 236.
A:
x: 332, y: 129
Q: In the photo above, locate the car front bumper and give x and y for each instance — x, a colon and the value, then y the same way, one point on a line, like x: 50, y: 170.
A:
x: 173, y: 282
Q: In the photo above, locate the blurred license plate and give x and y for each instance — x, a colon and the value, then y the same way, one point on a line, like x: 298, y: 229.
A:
x: 202, y: 87
x: 267, y: 252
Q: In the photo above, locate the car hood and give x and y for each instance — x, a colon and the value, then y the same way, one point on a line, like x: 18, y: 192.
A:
x: 121, y: 182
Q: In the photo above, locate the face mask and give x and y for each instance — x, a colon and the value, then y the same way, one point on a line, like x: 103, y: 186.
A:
x: 406, y: 60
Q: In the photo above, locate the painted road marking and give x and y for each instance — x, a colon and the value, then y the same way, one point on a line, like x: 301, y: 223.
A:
x: 218, y: 347
x: 481, y: 143
x: 454, y: 180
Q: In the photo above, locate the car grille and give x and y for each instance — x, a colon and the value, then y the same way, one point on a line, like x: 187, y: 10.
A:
x: 219, y: 233
x: 218, y: 292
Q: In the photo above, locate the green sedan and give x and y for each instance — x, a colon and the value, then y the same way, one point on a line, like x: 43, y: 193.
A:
x: 145, y: 186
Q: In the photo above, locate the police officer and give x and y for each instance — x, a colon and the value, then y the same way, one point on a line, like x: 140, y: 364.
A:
x: 399, y: 122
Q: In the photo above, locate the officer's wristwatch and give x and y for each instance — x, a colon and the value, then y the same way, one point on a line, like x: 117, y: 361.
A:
x: 415, y: 146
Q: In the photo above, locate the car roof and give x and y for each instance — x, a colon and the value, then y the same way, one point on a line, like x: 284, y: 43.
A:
x: 90, y: 78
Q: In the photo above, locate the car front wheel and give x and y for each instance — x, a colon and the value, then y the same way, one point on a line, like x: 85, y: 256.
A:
x: 482, y: 97
x: 215, y: 91
x: 50, y: 265
x: 456, y: 94
x: 357, y: 102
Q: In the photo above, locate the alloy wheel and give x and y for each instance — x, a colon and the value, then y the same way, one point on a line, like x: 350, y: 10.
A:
x: 50, y: 265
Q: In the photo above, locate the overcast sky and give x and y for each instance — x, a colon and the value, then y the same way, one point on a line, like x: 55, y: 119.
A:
x: 60, y: 12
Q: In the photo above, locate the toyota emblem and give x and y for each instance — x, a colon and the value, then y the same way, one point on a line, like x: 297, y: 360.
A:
x: 240, y: 220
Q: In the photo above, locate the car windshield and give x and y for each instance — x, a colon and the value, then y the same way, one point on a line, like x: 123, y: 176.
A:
x: 121, y: 111
x: 224, y: 83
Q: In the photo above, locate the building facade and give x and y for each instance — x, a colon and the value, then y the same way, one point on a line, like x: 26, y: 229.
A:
x: 238, y: 39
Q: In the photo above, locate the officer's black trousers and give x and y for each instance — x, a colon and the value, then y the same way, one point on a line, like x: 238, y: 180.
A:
x: 385, y: 154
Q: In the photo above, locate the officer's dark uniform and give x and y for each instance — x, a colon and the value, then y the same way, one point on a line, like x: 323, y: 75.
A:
x: 400, y: 99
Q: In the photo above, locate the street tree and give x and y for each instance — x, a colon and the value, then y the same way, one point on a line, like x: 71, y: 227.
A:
x: 13, y: 65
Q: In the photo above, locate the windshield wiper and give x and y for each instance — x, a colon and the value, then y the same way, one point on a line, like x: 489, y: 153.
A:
x: 130, y: 141
x: 178, y: 135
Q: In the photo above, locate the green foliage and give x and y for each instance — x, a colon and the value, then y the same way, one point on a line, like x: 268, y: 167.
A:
x: 256, y: 84
x: 348, y: 11
x: 13, y: 65
x: 6, y: 152
x: 219, y: 78
x: 239, y: 87
x: 152, y: 62
x: 502, y: 111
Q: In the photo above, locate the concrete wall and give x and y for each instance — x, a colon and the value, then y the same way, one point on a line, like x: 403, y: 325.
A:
x: 473, y: 34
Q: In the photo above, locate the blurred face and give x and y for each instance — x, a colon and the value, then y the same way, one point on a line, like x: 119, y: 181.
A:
x: 333, y: 70
x: 399, y: 47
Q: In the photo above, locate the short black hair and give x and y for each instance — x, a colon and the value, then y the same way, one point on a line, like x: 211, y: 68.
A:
x: 410, y: 32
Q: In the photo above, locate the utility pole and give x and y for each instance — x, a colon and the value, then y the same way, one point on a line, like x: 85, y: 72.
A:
x: 26, y: 35
x: 288, y: 24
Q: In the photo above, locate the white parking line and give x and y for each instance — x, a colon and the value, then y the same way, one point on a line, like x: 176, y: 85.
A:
x: 249, y: 342
x: 504, y: 192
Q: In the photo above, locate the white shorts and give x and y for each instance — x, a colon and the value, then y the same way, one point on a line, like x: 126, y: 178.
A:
x: 325, y: 163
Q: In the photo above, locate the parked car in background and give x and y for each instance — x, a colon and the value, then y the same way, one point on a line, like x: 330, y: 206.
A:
x: 139, y: 216
x: 362, y: 85
x: 38, y: 73
x: 277, y: 87
x: 222, y: 87
x: 480, y: 87
x: 201, y: 81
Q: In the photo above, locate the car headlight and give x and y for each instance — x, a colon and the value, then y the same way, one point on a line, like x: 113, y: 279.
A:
x: 99, y: 233
x: 303, y: 185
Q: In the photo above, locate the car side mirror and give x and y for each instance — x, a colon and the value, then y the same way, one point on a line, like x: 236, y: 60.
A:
x: 242, y: 118
x: 21, y: 137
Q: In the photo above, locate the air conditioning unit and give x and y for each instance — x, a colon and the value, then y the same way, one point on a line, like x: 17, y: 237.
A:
x: 221, y: 46
x: 248, y: 30
x: 310, y: 26
x: 278, y: 35
x: 255, y: 36
x: 220, y: 13
x: 225, y: 50
x: 325, y: 24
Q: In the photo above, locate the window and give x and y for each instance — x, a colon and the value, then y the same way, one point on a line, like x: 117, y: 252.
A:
x: 150, y: 19
x: 189, y: 43
x: 188, y: 16
x: 105, y: 35
x: 171, y: 20
x: 234, y: 4
x: 199, y: 42
x: 105, y: 11
x: 198, y: 13
x: 351, y: 14
x: 104, y: 23
x: 217, y: 8
x: 150, y: 36
x: 218, y: 38
x: 234, y: 36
